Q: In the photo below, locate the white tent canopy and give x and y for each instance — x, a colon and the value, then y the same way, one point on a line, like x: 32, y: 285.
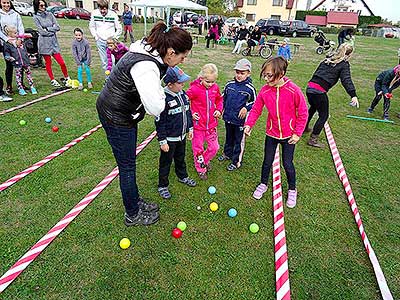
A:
x: 167, y: 4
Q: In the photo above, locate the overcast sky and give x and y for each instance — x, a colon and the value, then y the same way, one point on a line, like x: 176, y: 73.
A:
x: 389, y: 9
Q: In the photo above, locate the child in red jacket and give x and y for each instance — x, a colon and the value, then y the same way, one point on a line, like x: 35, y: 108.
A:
x: 286, y: 121
x: 206, y: 104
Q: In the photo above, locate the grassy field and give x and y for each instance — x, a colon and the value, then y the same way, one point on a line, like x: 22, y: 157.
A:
x: 217, y: 257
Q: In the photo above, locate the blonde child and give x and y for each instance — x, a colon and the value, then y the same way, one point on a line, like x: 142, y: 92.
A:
x: 284, y: 50
x: 83, y: 57
x: 286, y: 121
x: 15, y: 52
x: 116, y: 49
x: 206, y: 104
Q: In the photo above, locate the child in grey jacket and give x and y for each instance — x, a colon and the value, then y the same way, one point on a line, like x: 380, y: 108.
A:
x: 83, y: 57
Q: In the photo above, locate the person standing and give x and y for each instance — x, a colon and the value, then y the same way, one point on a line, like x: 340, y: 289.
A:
x: 127, y: 20
x: 132, y: 89
x: 8, y: 16
x: 345, y: 35
x: 83, y: 57
x: 48, y: 45
x: 104, y: 24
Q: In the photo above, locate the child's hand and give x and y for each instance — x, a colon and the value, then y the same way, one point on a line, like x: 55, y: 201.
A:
x: 165, y: 147
x: 196, y: 116
x: 190, y: 135
x: 242, y: 113
x: 294, y: 139
x: 354, y: 102
x: 18, y: 43
x: 247, y: 130
x: 217, y: 114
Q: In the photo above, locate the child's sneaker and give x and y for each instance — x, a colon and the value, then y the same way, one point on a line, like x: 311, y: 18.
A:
x: 22, y: 92
x: 33, y: 90
x: 260, y: 190
x: 5, y: 98
x: 90, y: 85
x: 291, y: 199
x: 80, y: 87
x: 370, y: 110
x: 223, y: 157
x: 203, y: 175
x: 164, y: 192
x: 231, y: 167
x: 55, y: 83
x: 142, y: 218
x: 188, y: 181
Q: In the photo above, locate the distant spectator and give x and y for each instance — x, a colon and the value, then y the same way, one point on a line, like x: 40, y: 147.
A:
x: 212, y: 35
x: 220, y: 23
x: 254, y: 39
x: 127, y: 20
x: 284, y: 50
x: 242, y: 36
x: 344, y: 35
x: 200, y: 22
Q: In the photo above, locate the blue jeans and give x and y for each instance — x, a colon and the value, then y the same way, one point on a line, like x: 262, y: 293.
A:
x: 87, y: 70
x: 123, y: 143
x: 102, y: 48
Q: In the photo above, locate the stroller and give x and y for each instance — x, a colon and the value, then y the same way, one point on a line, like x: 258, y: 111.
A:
x: 31, y: 45
x: 323, y: 42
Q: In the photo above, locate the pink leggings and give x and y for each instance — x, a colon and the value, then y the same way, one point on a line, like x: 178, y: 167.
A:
x: 199, y: 137
x: 59, y: 60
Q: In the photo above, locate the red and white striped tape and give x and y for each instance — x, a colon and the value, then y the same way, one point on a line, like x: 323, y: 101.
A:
x: 386, y: 294
x: 281, y: 257
x: 37, y: 249
x: 45, y: 160
x: 3, y: 112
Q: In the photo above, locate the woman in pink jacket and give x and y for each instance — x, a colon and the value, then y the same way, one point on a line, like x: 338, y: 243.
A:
x: 287, y: 118
x: 212, y: 34
x: 206, y: 104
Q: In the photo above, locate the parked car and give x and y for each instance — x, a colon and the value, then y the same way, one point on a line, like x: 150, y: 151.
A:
x: 296, y: 28
x: 61, y: 13
x: 54, y: 9
x: 188, y: 18
x: 23, y: 8
x: 270, y: 26
x: 78, y: 13
x: 236, y: 22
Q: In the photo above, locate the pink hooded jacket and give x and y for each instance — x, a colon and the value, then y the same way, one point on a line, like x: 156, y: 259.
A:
x: 287, y: 110
x: 204, y: 102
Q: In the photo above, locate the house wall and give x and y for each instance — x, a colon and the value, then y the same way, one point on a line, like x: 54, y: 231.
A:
x: 89, y: 5
x: 340, y: 25
x: 328, y: 5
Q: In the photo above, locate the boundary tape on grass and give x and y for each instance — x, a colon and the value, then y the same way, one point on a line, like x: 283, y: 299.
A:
x: 386, y: 294
x: 38, y: 248
x: 281, y: 258
x: 45, y: 160
x: 3, y: 112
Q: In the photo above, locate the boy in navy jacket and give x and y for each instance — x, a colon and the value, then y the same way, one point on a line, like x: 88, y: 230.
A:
x: 239, y: 96
x: 173, y: 125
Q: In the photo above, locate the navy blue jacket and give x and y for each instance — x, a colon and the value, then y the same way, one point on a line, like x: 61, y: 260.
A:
x: 385, y: 78
x: 236, y: 96
x: 176, y: 119
x: 127, y: 17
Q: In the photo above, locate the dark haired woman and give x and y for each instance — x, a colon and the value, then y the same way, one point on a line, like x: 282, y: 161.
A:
x: 8, y: 16
x: 132, y: 89
x: 48, y: 44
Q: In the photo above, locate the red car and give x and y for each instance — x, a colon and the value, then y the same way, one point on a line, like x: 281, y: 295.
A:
x: 73, y: 13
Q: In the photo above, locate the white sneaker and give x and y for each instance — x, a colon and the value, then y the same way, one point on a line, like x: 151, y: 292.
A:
x: 5, y: 98
x: 80, y: 87
x: 55, y: 83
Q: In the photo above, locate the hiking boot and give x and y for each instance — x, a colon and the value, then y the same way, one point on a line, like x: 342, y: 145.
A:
x: 313, y: 141
x: 231, y: 167
x: 203, y: 175
x: 291, y: 199
x: 260, y: 190
x: 370, y: 110
x: 147, y: 206
x: 223, y: 157
x: 188, y: 181
x: 164, y: 192
x: 142, y: 218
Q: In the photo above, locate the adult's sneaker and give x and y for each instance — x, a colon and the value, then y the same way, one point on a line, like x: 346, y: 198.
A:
x: 55, y: 83
x: 5, y: 98
x: 142, y: 218
x: 147, y: 206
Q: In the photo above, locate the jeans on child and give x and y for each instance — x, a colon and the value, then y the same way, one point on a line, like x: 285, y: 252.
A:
x: 211, y: 138
x: 87, y: 70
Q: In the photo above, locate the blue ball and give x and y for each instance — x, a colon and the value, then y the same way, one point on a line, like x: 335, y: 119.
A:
x: 232, y: 212
x: 212, y: 190
x: 47, y: 120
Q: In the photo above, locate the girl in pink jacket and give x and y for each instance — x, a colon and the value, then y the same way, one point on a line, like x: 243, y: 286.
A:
x: 286, y: 121
x: 116, y: 49
x: 206, y: 104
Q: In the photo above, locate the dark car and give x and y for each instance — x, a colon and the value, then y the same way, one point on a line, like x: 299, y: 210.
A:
x: 270, y: 26
x: 296, y: 28
x: 188, y: 18
x: 54, y: 9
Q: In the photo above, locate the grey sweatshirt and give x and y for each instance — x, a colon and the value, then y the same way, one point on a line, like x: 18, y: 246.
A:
x: 47, y: 26
x: 81, y: 51
x: 10, y: 18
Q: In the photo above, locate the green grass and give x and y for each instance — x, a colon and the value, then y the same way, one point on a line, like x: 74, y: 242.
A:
x: 217, y: 258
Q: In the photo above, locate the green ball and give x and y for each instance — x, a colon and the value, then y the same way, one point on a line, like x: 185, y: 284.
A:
x: 181, y: 225
x: 254, y: 228
x: 85, y: 90
x: 22, y: 122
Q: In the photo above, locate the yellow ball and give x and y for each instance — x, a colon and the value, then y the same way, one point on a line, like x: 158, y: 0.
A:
x: 213, y: 206
x: 107, y: 72
x: 124, y: 243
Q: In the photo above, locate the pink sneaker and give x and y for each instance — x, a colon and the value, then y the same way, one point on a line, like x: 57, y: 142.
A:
x: 291, y: 199
x: 260, y: 190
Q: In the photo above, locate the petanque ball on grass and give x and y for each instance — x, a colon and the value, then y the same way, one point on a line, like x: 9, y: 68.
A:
x: 198, y: 207
x: 54, y: 129
x: 124, y: 243
x: 232, y: 212
x: 212, y: 190
x: 176, y: 233
x: 22, y: 122
x: 181, y: 225
x: 214, y: 206
x: 85, y: 90
x: 107, y: 72
x: 47, y: 120
x: 254, y: 228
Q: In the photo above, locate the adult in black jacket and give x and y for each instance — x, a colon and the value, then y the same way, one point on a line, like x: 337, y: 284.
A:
x: 344, y: 35
x: 385, y: 83
x: 133, y: 88
x: 328, y: 73
x: 242, y: 34
x: 254, y: 39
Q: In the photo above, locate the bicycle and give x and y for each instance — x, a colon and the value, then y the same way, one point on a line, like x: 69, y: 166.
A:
x: 264, y: 50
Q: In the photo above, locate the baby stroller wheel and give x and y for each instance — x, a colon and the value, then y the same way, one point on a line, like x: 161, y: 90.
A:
x: 265, y: 52
x: 319, y: 50
x: 245, y: 52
